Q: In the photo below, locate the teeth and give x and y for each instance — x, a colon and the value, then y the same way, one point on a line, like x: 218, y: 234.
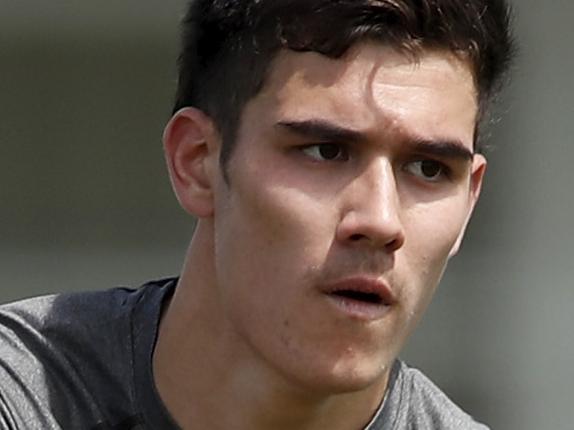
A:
x: 359, y: 296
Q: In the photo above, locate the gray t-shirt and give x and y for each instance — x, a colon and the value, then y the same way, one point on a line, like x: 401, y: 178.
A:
x: 83, y: 361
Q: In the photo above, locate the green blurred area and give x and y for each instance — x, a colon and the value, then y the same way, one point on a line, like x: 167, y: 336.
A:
x: 81, y: 145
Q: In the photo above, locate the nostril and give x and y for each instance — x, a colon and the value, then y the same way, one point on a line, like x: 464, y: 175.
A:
x: 356, y: 237
x: 391, y: 246
x: 395, y: 244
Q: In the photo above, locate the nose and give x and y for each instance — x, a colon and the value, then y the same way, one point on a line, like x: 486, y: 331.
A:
x: 372, y: 210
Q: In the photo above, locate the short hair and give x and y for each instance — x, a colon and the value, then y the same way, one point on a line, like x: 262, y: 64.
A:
x: 228, y: 45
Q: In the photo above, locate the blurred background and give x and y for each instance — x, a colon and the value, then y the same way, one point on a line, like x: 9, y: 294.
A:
x: 85, y: 202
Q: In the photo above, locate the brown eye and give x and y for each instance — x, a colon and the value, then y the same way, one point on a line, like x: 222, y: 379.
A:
x: 326, y: 152
x: 429, y: 170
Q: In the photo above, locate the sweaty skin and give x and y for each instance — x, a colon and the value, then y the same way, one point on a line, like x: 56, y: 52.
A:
x: 356, y: 171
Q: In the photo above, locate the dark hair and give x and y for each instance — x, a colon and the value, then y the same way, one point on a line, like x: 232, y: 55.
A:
x: 228, y: 45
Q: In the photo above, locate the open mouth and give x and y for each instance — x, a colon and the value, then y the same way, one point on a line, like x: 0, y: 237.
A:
x: 359, y: 296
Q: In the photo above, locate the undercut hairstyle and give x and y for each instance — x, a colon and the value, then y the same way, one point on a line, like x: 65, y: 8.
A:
x: 228, y: 46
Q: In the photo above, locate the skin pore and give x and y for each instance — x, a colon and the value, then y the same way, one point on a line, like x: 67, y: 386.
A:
x: 356, y: 171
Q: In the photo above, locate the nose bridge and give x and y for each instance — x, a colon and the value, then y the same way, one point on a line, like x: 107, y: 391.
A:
x: 373, y: 215
x: 379, y: 194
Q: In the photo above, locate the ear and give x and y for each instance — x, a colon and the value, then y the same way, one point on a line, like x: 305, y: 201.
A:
x: 191, y: 146
x: 476, y: 176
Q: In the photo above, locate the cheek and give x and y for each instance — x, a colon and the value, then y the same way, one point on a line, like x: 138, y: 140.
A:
x: 284, y: 219
x: 431, y: 232
x: 434, y: 227
x: 268, y: 238
x: 267, y: 250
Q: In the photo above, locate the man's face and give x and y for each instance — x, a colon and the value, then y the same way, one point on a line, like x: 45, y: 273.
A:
x: 350, y: 184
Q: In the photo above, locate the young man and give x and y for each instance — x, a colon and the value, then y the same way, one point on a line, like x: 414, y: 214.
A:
x: 329, y: 151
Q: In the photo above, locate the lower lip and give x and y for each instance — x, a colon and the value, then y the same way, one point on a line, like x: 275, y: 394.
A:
x: 357, y: 309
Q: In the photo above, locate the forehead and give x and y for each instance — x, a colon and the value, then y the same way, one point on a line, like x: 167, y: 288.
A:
x: 375, y: 89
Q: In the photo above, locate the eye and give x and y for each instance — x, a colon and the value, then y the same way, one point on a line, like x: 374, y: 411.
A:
x: 326, y: 152
x: 429, y: 170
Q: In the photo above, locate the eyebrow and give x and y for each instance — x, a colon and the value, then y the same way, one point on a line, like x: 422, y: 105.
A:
x: 320, y: 130
x: 454, y: 149
x: 324, y: 131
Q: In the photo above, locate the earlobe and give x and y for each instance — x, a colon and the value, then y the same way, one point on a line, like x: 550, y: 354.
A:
x: 191, y: 146
x: 476, y: 176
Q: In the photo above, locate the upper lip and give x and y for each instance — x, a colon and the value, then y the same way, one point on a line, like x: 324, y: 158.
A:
x: 364, y: 285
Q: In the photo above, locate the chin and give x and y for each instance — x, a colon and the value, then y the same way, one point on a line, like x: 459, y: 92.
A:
x: 342, y: 379
x: 349, y: 384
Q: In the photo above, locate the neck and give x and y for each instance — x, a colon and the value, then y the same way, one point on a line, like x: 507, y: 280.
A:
x: 208, y: 377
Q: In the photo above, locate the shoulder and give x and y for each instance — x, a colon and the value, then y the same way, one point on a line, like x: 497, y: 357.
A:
x: 59, y: 351
x: 428, y: 407
x: 55, y: 317
x: 46, y: 322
